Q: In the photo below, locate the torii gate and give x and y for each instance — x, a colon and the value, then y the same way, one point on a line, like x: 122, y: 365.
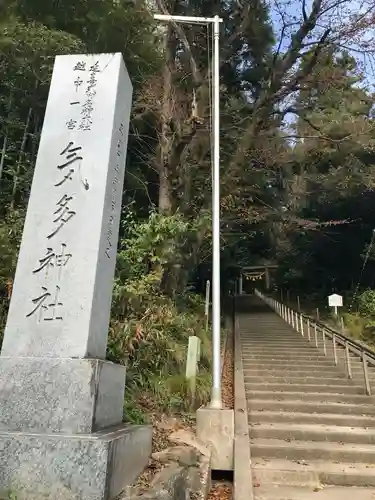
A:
x: 255, y: 273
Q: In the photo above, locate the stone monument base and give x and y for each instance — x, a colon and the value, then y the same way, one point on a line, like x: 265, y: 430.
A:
x: 72, y: 467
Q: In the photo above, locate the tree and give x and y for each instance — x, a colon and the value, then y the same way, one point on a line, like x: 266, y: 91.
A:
x: 330, y: 182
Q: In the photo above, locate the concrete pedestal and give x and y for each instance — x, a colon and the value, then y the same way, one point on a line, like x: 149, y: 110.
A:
x: 215, y: 429
x: 65, y: 396
x: 72, y: 467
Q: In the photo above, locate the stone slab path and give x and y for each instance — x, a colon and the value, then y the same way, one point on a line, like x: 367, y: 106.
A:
x: 312, y: 430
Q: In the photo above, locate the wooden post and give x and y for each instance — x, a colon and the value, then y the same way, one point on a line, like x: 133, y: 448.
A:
x: 298, y: 304
x: 193, y: 357
x: 268, y: 282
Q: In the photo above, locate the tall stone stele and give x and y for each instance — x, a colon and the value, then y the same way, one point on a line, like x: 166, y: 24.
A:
x: 61, y: 403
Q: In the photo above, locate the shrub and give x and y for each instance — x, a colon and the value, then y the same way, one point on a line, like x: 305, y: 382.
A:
x: 366, y: 303
x: 149, y: 330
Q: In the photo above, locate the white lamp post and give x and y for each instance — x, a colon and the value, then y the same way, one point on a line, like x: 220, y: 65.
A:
x: 216, y: 316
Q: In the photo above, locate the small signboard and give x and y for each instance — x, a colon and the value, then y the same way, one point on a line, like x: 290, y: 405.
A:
x: 335, y: 301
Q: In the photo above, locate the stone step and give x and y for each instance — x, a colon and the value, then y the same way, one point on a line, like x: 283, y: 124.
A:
x: 311, y: 450
x: 322, y: 397
x: 300, y: 343
x: 313, y: 432
x: 311, y: 351
x: 311, y: 418
x: 327, y: 369
x: 312, y: 473
x: 316, y: 358
x: 272, y: 344
x: 311, y: 407
x: 324, y: 371
x: 283, y: 378
x: 273, y: 340
x: 305, y: 387
x: 301, y: 352
x: 281, y: 364
x: 287, y: 352
x: 270, y: 492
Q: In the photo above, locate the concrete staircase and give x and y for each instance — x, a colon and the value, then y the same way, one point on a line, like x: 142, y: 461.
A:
x: 312, y: 430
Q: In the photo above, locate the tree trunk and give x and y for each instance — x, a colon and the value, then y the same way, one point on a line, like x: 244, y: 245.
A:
x: 165, y: 202
x: 3, y: 153
x: 20, y: 157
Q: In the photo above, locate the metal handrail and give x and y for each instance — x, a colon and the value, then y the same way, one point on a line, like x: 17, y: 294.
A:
x: 298, y: 321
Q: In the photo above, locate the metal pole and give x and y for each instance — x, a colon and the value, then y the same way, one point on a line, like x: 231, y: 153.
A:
x: 216, y: 314
x: 348, y: 365
x: 216, y: 378
x: 308, y: 329
x: 334, y: 349
x: 365, y: 374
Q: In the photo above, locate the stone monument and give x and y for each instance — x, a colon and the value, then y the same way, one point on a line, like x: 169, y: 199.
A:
x: 61, y: 403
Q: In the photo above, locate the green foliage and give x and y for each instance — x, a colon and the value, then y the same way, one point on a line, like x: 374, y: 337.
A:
x: 366, y: 303
x: 149, y: 331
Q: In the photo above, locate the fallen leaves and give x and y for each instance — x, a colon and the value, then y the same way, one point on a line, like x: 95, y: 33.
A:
x: 227, y: 390
x: 222, y: 491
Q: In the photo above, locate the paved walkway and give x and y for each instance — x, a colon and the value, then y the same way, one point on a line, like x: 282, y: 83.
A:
x: 312, y: 430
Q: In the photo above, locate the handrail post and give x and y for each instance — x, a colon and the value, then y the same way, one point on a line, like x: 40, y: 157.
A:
x: 365, y: 373
x: 334, y: 349
x: 301, y: 320
x: 292, y: 316
x: 316, y: 335
x: 297, y: 325
x: 324, y: 342
x: 348, y: 365
x: 308, y: 329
